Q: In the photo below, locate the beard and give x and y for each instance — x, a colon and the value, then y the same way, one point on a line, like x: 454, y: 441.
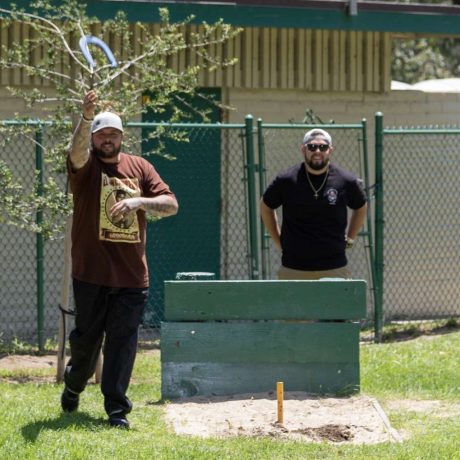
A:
x: 106, y: 153
x: 317, y: 165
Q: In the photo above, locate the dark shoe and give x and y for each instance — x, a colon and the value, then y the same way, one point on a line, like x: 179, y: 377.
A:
x: 69, y: 400
x: 119, y: 420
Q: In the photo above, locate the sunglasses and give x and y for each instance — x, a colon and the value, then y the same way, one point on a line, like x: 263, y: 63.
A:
x: 315, y: 147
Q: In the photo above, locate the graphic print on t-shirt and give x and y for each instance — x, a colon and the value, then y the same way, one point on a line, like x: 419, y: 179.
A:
x: 118, y: 229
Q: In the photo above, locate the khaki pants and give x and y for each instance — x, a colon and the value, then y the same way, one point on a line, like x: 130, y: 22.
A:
x: 285, y: 273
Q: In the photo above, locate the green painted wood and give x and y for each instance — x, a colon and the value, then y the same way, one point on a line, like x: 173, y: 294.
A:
x: 434, y: 20
x: 268, y: 300
x: 260, y: 342
x: 182, y: 380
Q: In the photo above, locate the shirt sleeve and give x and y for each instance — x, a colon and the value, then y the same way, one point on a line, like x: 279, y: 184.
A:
x: 78, y: 176
x: 153, y: 184
x: 356, y: 195
x: 272, y: 196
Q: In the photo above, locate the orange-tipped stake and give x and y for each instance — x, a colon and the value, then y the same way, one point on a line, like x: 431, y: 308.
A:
x: 280, y: 398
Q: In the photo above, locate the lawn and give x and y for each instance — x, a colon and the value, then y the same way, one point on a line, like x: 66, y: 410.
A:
x: 416, y: 381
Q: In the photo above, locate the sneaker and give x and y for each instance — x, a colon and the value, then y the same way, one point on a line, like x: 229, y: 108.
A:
x: 119, y: 420
x: 69, y: 400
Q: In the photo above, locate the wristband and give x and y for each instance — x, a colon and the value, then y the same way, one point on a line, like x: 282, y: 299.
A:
x: 88, y: 120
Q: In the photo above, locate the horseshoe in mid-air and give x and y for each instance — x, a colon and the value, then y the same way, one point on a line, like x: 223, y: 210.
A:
x: 90, y: 39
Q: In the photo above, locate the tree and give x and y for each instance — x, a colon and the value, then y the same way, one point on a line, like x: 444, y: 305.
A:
x: 426, y: 58
x: 55, y: 33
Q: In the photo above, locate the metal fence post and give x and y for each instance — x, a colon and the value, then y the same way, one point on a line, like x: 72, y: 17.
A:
x: 368, y: 233
x: 264, y: 237
x: 379, y: 222
x: 39, y: 239
x: 252, y: 205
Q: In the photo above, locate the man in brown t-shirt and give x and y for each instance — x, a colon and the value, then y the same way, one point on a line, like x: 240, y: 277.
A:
x: 112, y: 192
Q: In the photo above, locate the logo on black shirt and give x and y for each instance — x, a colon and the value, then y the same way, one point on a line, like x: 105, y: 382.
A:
x: 332, y: 195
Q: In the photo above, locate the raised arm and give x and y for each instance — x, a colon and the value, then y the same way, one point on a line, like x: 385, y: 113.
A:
x: 79, y: 149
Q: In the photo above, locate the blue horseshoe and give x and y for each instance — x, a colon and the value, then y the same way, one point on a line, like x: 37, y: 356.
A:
x: 90, y: 39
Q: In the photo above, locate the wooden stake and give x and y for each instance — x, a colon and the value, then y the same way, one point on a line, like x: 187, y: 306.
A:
x: 280, y: 398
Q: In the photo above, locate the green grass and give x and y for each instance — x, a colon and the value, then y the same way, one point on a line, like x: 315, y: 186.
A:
x: 425, y: 368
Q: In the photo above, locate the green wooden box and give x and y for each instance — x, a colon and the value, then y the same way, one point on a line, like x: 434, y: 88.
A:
x: 232, y: 337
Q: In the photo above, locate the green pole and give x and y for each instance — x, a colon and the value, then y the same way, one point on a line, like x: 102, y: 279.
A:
x: 379, y: 222
x: 369, y: 235
x: 39, y: 240
x: 262, y: 170
x: 252, y: 205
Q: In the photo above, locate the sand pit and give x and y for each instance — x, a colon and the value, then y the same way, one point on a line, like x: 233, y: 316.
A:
x: 357, y: 419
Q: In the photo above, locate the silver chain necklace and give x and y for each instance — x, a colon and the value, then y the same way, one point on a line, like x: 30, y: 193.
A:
x: 316, y: 191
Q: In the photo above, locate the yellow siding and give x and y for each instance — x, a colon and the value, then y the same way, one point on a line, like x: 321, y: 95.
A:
x: 269, y: 58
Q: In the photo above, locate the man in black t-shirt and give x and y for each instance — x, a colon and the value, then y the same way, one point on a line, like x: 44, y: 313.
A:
x: 314, y: 196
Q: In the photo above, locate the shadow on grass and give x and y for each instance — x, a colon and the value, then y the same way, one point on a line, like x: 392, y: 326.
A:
x: 401, y: 332
x: 31, y: 431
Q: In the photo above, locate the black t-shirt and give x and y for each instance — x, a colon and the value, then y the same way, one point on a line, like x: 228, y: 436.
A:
x: 313, y: 229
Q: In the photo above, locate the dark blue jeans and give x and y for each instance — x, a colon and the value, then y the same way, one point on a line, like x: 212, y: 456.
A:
x: 117, y: 313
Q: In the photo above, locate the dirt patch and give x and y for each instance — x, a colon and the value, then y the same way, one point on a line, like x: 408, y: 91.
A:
x: 15, y: 362
x: 356, y: 420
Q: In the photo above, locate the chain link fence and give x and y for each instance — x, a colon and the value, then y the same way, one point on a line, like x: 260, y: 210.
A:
x: 211, y: 174
x: 207, y: 173
x: 421, y: 221
x: 281, y: 144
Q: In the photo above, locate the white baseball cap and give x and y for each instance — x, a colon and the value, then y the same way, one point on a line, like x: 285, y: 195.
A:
x: 106, y: 120
x: 313, y: 133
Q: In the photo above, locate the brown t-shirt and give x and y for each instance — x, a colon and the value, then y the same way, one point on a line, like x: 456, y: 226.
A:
x: 106, y: 251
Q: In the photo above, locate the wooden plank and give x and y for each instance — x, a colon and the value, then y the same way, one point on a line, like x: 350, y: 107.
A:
x: 218, y: 50
x: 238, y: 66
x: 15, y: 31
x: 203, y: 300
x: 300, y: 58
x: 283, y: 59
x: 342, y: 60
x: 369, y: 60
x: 246, y: 49
x: 291, y: 55
x: 191, y: 54
x: 376, y: 63
x: 274, y: 58
x: 352, y: 62
x: 385, y: 83
x: 25, y: 31
x: 182, y: 380
x: 200, y: 62
x: 254, y: 50
x: 265, y: 57
x: 210, y: 75
x: 229, y: 53
x: 327, y: 65
x: 260, y: 342
x: 334, y: 51
x: 360, y: 64
x: 4, y: 73
x: 318, y: 60
x: 308, y: 60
